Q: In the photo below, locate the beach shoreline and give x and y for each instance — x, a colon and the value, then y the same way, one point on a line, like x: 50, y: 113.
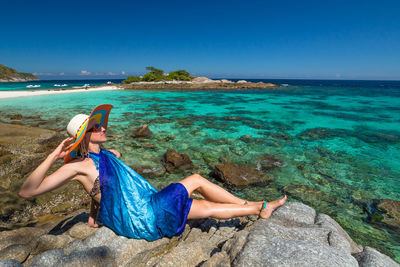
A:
x: 14, y: 94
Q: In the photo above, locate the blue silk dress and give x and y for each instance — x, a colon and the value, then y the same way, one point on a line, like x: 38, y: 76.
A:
x: 132, y: 207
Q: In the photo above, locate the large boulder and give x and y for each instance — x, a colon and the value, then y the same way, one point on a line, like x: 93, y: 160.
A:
x: 174, y: 161
x: 239, y: 175
x: 290, y: 237
x: 370, y: 257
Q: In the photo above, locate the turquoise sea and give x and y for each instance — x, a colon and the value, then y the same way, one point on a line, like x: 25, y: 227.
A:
x: 339, y: 140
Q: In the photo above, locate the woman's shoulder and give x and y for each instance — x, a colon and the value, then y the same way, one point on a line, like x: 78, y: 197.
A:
x: 115, y: 152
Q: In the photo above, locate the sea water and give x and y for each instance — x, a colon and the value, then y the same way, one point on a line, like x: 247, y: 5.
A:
x: 339, y: 142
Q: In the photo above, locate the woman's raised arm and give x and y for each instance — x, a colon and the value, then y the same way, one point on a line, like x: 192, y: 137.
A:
x: 37, y: 183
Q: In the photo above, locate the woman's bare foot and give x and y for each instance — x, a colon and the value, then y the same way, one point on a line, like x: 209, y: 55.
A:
x: 271, y: 206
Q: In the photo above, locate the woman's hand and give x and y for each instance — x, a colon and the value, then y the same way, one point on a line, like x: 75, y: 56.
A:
x: 62, y: 148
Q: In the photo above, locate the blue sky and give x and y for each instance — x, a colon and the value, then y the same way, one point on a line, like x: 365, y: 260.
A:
x: 233, y: 39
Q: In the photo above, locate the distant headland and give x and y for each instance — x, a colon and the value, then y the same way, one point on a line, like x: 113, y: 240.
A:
x: 10, y: 75
x: 182, y: 80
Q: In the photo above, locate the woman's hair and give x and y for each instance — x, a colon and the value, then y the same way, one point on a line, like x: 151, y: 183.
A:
x: 83, y: 149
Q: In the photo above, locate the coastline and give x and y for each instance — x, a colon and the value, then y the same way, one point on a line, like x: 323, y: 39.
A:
x: 14, y: 94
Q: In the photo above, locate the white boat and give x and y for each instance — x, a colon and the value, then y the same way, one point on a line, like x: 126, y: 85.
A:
x: 33, y: 86
x: 109, y: 82
x: 86, y: 85
x: 56, y: 85
x: 64, y: 85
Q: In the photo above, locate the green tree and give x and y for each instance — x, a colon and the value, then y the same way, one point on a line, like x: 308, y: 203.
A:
x: 132, y: 79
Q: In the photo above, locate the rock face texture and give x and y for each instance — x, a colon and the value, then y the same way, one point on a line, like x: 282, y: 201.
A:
x: 294, y: 236
x: 143, y: 131
x: 238, y: 175
x: 22, y: 149
x: 10, y: 75
x: 174, y: 161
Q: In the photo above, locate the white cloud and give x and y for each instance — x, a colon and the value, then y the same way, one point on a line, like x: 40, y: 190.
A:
x: 84, y: 72
x: 99, y: 74
x: 112, y: 73
x: 61, y: 74
x: 123, y: 72
x: 44, y: 74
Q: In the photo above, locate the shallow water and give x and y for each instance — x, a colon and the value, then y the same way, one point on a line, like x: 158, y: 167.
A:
x: 340, y: 145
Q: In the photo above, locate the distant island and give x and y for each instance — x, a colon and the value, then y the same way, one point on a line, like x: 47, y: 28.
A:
x: 10, y: 75
x: 182, y: 80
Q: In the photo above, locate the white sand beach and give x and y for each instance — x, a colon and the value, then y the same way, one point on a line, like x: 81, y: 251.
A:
x: 12, y: 94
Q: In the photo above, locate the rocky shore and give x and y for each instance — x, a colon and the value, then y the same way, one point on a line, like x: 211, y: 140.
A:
x: 10, y: 75
x: 293, y: 236
x: 199, y: 83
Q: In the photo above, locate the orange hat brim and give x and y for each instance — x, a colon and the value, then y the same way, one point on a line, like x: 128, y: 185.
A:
x: 100, y: 114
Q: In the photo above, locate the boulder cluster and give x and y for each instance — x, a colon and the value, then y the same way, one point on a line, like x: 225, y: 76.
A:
x: 295, y: 235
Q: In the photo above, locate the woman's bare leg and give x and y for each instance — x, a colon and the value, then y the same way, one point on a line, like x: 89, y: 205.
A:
x: 205, y: 209
x: 211, y: 191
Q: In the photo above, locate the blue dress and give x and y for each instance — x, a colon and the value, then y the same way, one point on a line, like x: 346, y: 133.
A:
x: 132, y: 207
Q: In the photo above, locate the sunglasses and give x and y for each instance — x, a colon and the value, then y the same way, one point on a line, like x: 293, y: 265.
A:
x: 96, y: 128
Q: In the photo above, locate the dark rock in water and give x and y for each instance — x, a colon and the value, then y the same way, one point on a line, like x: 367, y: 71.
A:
x: 269, y: 162
x: 143, y: 131
x: 238, y: 175
x: 246, y: 138
x: 148, y: 171
x: 308, y: 194
x: 174, y: 161
x: 391, y: 212
x: 14, y: 117
x: 320, y: 133
x: 149, y: 146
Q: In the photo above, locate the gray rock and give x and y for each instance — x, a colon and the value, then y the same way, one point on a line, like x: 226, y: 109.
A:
x: 98, y: 256
x: 234, y: 245
x: 20, y: 236
x: 10, y: 263
x: 220, y: 259
x: 48, y: 242
x: 184, y: 255
x: 18, y: 252
x: 326, y: 221
x: 338, y: 241
x: 148, y: 253
x: 74, y: 246
x: 295, y: 213
x: 101, y: 237
x: 265, y: 231
x: 370, y: 257
x: 294, y: 253
x: 81, y: 231
x: 48, y: 258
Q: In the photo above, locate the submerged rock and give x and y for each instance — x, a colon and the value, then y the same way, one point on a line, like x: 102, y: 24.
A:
x: 391, y: 212
x: 269, y: 162
x: 143, y: 131
x: 238, y: 175
x: 149, y: 171
x: 175, y: 161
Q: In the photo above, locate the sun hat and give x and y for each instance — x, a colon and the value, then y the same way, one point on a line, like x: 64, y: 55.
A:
x: 78, y: 126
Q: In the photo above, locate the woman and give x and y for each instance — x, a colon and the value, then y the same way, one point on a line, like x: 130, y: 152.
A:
x: 126, y: 202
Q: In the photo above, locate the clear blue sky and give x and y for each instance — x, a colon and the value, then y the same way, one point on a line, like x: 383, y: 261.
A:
x: 247, y: 39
